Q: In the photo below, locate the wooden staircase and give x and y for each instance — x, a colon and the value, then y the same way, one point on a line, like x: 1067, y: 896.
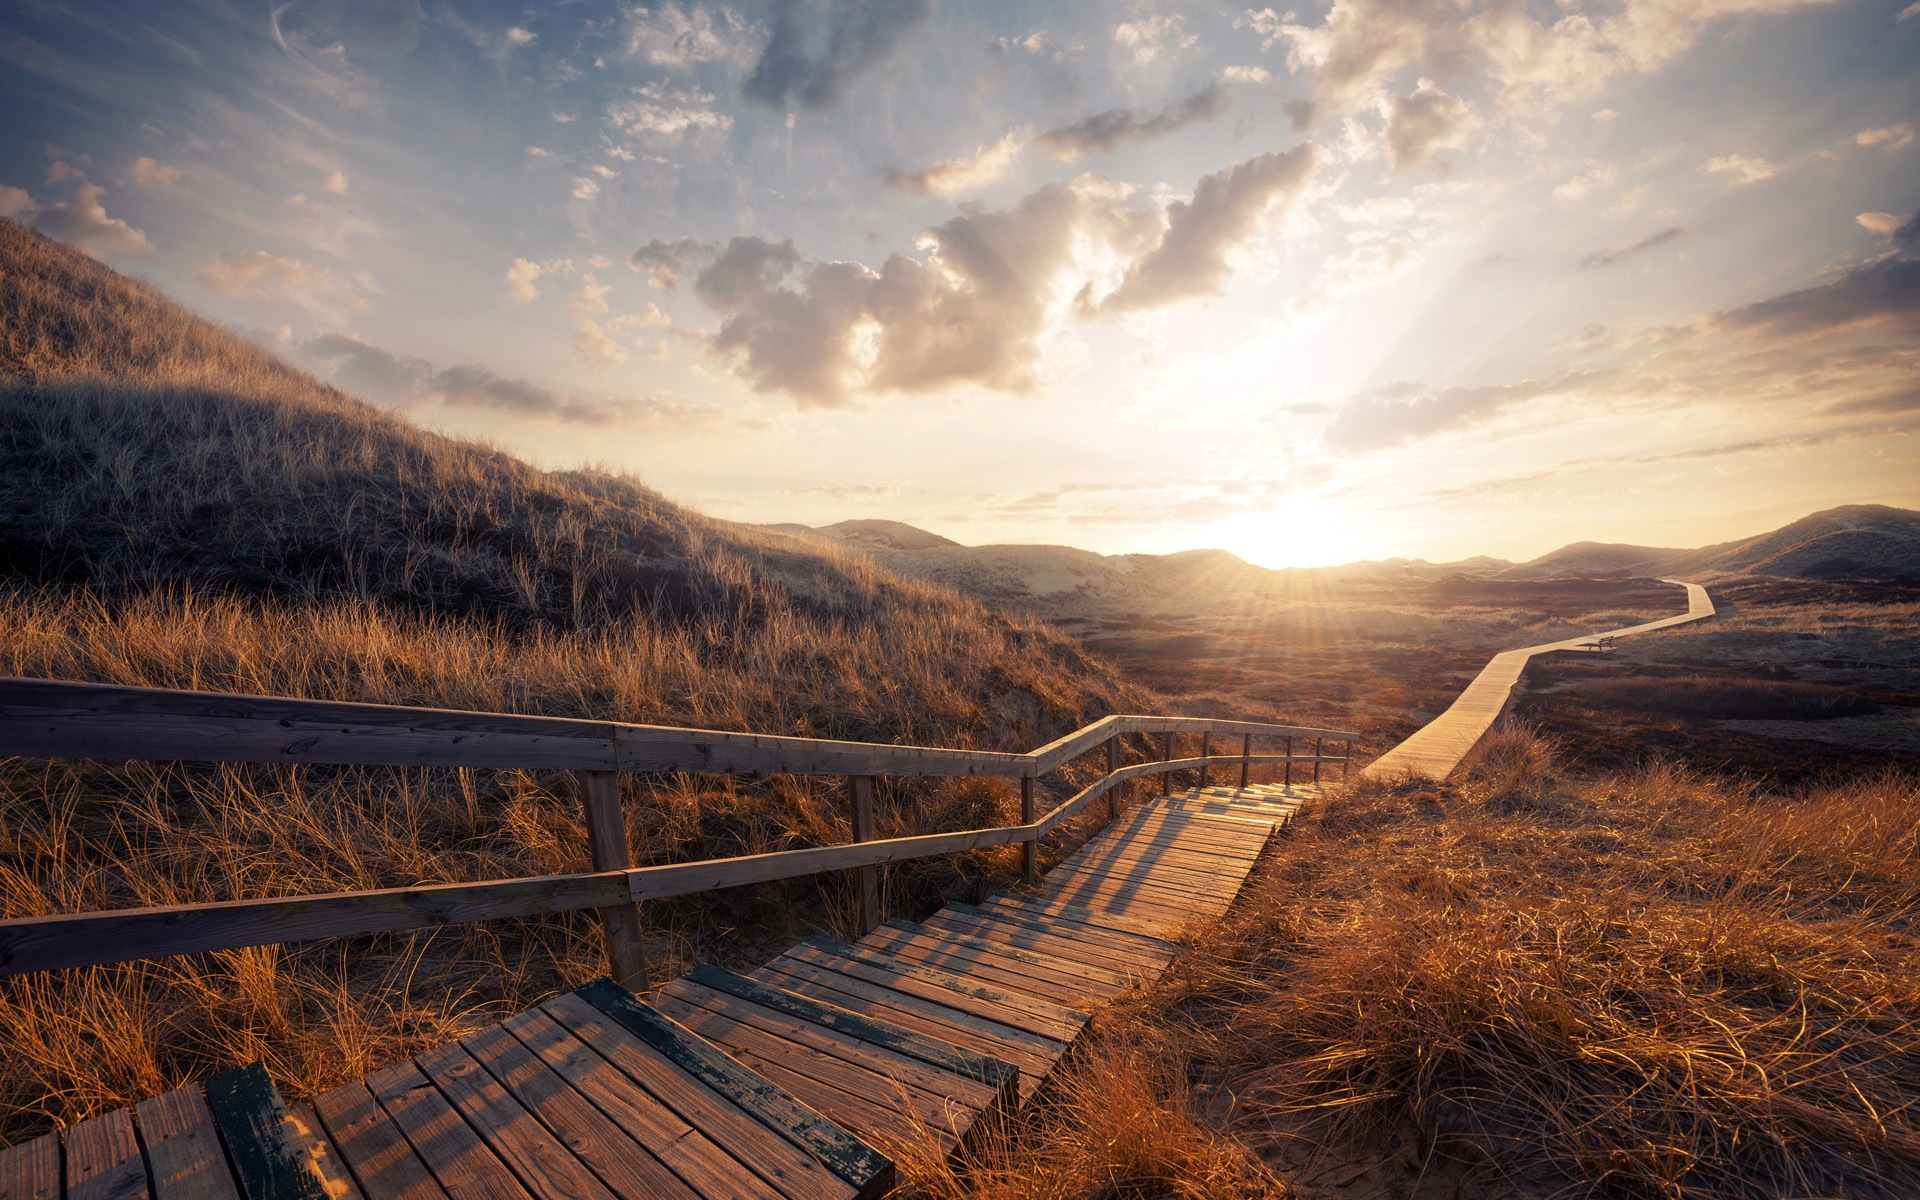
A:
x: 805, y: 1079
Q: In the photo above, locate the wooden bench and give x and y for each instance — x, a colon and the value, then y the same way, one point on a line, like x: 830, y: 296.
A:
x: 1599, y: 645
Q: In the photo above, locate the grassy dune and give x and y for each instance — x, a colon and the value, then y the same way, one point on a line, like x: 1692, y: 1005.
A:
x: 180, y: 509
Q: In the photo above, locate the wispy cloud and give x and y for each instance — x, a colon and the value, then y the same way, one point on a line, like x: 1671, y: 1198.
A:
x: 1619, y: 254
x: 1104, y: 131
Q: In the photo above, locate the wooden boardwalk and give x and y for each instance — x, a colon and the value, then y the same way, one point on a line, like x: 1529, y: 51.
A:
x: 803, y: 1080
x: 1437, y: 749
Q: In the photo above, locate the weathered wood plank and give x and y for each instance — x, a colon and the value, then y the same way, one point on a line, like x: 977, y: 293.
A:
x: 526, y: 1083
x: 306, y: 1133
x: 545, y: 1166
x: 1116, y: 964
x: 1095, y: 966
x: 103, y: 1159
x: 56, y: 718
x: 607, y: 842
x: 707, y: 1167
x: 867, y: 1056
x: 462, y: 1164
x: 82, y: 939
x: 1033, y: 1053
x: 776, y: 1158
x: 184, y: 1157
x: 1149, y: 953
x: 374, y: 1148
x: 999, y: 1076
x: 253, y: 1124
x: 863, y: 1103
x: 969, y: 995
x: 1086, y: 978
x: 30, y: 1170
x: 860, y: 1165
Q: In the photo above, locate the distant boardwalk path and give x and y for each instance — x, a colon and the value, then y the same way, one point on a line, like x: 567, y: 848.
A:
x: 1435, y: 750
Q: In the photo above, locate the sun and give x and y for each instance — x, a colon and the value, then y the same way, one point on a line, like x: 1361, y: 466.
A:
x: 1303, y: 531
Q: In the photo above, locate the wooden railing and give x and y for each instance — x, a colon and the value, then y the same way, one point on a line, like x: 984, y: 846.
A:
x: 50, y: 718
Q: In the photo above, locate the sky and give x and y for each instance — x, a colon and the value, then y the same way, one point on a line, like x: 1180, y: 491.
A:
x: 1421, y: 278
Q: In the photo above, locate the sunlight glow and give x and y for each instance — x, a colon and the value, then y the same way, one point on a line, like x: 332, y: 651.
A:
x: 1303, y: 531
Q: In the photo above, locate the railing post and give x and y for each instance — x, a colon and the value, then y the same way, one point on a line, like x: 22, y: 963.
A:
x: 607, y: 843
x: 866, y: 879
x: 1246, y: 757
x: 1113, y: 791
x: 1206, y: 748
x: 1029, y: 849
x: 1346, y: 760
x: 1316, y: 762
x: 1289, y: 762
x: 1166, y: 755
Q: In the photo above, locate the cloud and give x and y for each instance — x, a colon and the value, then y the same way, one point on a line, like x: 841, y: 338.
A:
x: 664, y: 262
x: 149, y: 176
x: 1745, y: 170
x: 1400, y: 414
x: 1246, y: 75
x: 1424, y: 121
x: 1149, y: 37
x: 1104, y: 131
x: 1618, y: 254
x: 521, y: 274
x: 952, y: 176
x: 1362, y: 44
x: 83, y: 222
x: 1227, y: 207
x: 1874, y: 222
x: 1885, y: 291
x: 665, y: 111
x: 1887, y: 137
x: 15, y: 202
x: 591, y: 299
x: 416, y: 384
x: 672, y: 36
x: 819, y: 46
x: 259, y: 277
x: 335, y: 184
x: 591, y: 343
x: 974, y: 311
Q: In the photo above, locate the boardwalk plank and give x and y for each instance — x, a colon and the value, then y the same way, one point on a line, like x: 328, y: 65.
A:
x: 103, y: 1159
x: 31, y: 1170
x: 617, y: 1160
x: 183, y: 1147
x: 462, y: 1164
x: 375, y: 1149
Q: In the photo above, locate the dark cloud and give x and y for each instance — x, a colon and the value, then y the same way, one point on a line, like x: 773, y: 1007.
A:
x: 748, y: 265
x: 1227, y: 207
x: 1424, y: 121
x: 415, y: 384
x: 665, y: 262
x: 1102, y: 132
x: 1400, y: 414
x: 1607, y: 258
x: 818, y: 46
x: 1884, y: 291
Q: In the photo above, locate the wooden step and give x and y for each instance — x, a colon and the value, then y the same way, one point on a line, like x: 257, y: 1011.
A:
x: 889, y: 1085
x: 230, y: 1138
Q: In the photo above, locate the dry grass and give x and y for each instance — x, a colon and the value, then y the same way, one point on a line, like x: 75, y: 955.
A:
x: 1738, y: 698
x: 1655, y: 984
x: 179, y: 509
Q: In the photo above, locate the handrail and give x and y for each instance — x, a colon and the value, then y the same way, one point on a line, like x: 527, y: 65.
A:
x: 51, y: 718
x: 57, y: 718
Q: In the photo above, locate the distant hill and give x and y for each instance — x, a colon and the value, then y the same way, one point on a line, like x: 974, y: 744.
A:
x: 1855, y: 541
x: 1852, y: 542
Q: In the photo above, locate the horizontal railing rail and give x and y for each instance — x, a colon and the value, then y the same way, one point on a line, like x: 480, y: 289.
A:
x: 49, y: 718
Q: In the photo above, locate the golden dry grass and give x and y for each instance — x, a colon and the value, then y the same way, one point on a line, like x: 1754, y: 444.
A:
x: 1656, y: 984
x: 180, y: 509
